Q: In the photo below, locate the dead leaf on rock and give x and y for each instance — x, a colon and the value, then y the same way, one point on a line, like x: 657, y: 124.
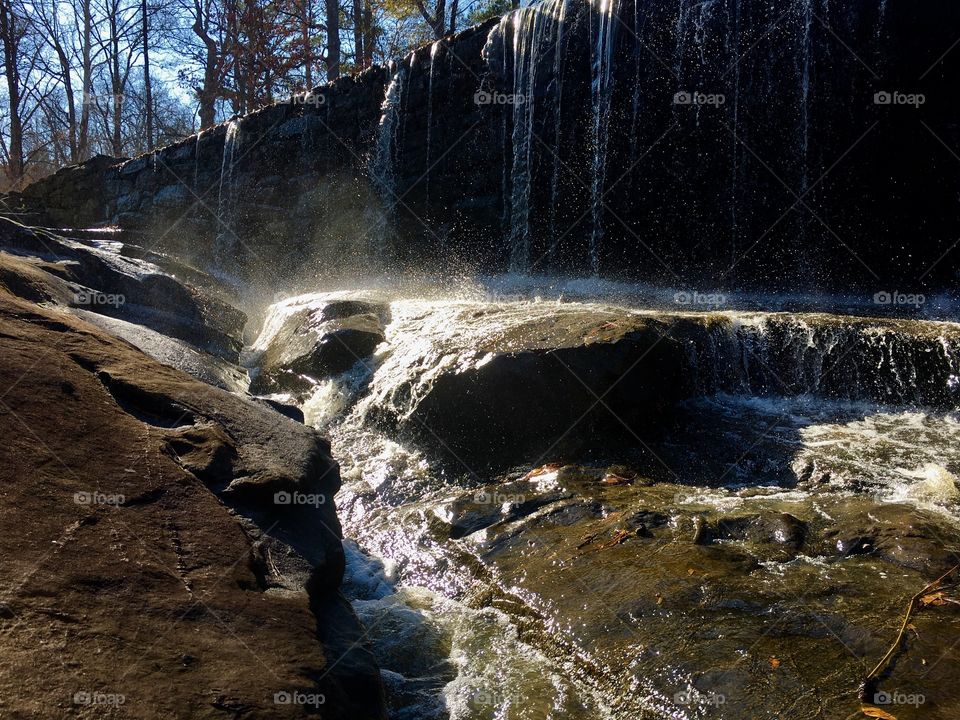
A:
x: 613, y: 479
x: 935, y: 599
x: 874, y: 712
x: 542, y: 470
x: 618, y: 537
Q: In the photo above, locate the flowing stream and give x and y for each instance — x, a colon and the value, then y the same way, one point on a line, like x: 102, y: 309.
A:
x: 828, y: 421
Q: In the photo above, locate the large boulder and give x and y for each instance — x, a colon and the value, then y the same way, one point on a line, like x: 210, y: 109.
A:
x: 489, y: 386
x: 318, y: 340
x: 102, y: 277
x: 172, y: 549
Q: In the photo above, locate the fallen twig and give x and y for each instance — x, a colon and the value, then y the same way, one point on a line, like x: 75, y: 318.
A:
x: 885, y: 660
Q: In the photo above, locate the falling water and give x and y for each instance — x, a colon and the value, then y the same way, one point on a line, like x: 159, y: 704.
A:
x: 196, y: 160
x: 225, y: 247
x: 602, y: 93
x: 433, y: 54
x: 382, y: 171
x: 805, y: 94
x: 681, y: 33
x: 734, y: 52
x: 637, y: 86
x: 526, y: 36
x: 524, y: 75
x: 381, y: 166
x: 557, y: 127
x: 528, y: 28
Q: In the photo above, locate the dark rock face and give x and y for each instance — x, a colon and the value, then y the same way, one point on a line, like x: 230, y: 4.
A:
x: 103, y: 280
x: 740, y: 143
x: 156, y: 563
x: 759, y: 588
x: 315, y: 343
x: 551, y: 389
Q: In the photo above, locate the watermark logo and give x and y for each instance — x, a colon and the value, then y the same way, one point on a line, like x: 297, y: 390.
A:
x: 698, y: 298
x: 103, y: 99
x: 85, y: 697
x: 493, y: 296
x: 307, y: 98
x: 98, y: 498
x: 896, y: 697
x: 92, y: 297
x: 898, y: 298
x: 699, y: 98
x: 484, y: 698
x: 296, y: 697
x: 692, y: 697
x: 482, y: 97
x: 482, y: 497
x: 298, y: 498
x: 914, y: 100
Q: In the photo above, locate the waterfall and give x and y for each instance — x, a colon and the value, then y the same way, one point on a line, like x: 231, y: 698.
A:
x: 733, y: 50
x: 523, y: 36
x: 895, y: 362
x: 225, y: 246
x: 196, y: 160
x: 433, y: 55
x: 382, y: 172
x: 557, y: 127
x: 805, y: 95
x: 528, y: 24
x: 381, y: 166
x: 602, y: 88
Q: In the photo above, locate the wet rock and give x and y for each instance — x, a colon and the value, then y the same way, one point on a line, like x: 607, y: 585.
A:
x: 283, y: 405
x: 315, y: 343
x: 782, y: 530
x: 102, y: 280
x: 491, y: 505
x: 176, y: 353
x: 139, y: 506
x: 897, y: 534
x: 552, y: 388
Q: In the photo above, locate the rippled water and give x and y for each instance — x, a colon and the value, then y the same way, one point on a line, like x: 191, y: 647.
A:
x: 462, y: 631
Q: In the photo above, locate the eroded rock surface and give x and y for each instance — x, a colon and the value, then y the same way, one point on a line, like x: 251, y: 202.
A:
x: 99, y: 276
x: 318, y: 341
x: 170, y: 550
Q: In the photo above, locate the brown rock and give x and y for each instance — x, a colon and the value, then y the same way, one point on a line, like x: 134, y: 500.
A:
x: 121, y: 560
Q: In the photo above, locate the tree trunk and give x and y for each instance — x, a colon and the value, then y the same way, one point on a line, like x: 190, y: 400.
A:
x: 305, y: 26
x: 10, y: 37
x: 367, y: 34
x: 147, y: 90
x: 454, y: 4
x: 116, y: 87
x: 207, y: 94
x: 440, y: 15
x: 358, y: 35
x: 66, y: 77
x: 333, y: 39
x: 86, y: 79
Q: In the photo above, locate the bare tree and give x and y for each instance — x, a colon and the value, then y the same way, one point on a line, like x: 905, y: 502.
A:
x: 147, y: 89
x: 118, y: 41
x: 205, y: 26
x: 27, y: 88
x: 333, y: 39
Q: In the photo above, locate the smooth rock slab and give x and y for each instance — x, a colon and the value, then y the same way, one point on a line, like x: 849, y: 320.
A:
x: 570, y: 382
x: 149, y: 570
x: 319, y: 341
